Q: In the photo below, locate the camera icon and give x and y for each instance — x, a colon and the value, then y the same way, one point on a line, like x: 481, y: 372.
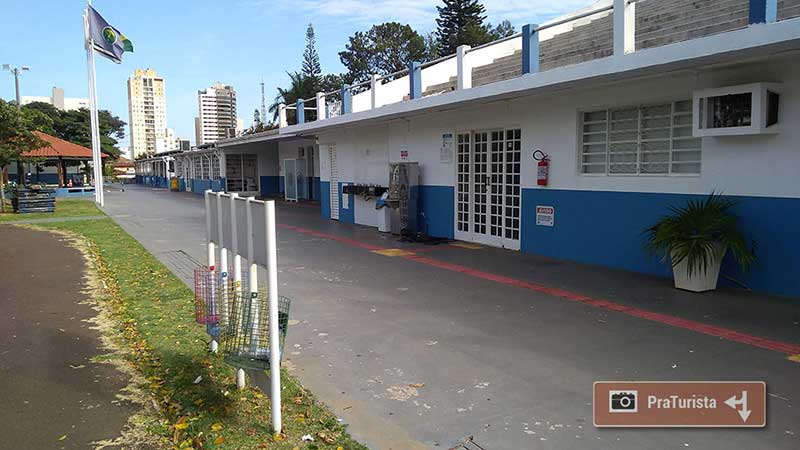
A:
x: 623, y: 401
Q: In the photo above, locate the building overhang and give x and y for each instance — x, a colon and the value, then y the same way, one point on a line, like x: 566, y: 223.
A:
x: 264, y: 136
x: 754, y: 42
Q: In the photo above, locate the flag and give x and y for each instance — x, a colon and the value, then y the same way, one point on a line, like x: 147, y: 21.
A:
x: 107, y: 40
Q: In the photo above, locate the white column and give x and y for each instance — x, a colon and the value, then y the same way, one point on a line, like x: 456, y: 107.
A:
x: 281, y: 115
x: 374, y: 82
x: 237, y: 259
x: 274, y: 331
x: 624, y: 27
x: 211, y: 257
x: 464, y: 69
x: 322, y: 111
x: 223, y: 263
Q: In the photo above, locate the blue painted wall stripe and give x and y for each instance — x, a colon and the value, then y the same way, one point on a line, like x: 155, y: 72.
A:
x: 607, y: 228
x: 436, y: 211
x: 270, y: 185
x: 325, y: 199
x: 347, y: 215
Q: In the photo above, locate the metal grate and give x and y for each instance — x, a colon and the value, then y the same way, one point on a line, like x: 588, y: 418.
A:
x: 246, y: 340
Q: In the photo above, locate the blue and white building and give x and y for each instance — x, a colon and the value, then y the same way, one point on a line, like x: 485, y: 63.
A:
x: 639, y: 105
x: 251, y: 165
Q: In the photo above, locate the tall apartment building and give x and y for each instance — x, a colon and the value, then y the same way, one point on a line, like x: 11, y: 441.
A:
x: 147, y: 107
x: 216, y: 114
x: 58, y: 100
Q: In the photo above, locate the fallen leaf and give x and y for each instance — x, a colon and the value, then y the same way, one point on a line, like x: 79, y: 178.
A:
x: 216, y: 427
x: 416, y: 385
x: 181, y: 426
x: 219, y: 440
x: 62, y: 437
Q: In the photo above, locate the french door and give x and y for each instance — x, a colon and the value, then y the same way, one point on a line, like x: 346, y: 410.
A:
x: 488, y: 194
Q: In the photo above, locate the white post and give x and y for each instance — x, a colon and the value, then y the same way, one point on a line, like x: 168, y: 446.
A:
x: 237, y: 259
x: 96, y: 160
x: 624, y: 27
x: 281, y: 115
x: 322, y: 111
x: 240, y: 380
x: 211, y: 257
x: 223, y: 265
x: 374, y: 82
x: 464, y: 69
x: 274, y: 331
x: 253, y: 281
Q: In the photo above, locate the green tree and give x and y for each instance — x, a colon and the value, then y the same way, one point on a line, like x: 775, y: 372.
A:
x: 311, y: 66
x: 503, y: 29
x: 461, y: 22
x: 383, y: 49
x: 74, y: 126
x: 17, y: 137
x: 431, y: 46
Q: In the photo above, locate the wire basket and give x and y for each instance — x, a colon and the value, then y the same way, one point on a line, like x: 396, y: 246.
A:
x: 246, y: 340
x: 204, y: 282
x: 214, y: 297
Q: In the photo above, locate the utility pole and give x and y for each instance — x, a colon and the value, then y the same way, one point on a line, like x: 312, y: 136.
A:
x: 263, y: 103
x: 16, y: 71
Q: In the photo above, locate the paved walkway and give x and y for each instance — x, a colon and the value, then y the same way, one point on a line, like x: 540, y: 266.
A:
x: 506, y: 344
x: 52, y: 395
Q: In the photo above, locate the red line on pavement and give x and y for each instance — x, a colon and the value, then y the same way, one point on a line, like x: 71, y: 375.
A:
x: 332, y: 237
x: 666, y: 319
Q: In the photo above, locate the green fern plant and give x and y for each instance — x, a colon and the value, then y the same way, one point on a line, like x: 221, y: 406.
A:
x: 695, y: 232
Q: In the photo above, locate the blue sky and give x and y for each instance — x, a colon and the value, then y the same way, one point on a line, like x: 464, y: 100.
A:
x: 195, y: 43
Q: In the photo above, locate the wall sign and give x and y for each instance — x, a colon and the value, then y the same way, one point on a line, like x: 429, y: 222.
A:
x: 545, y: 215
x: 404, y: 154
x: 446, y: 151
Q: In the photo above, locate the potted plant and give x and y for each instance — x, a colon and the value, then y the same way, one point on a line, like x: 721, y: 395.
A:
x: 695, y: 238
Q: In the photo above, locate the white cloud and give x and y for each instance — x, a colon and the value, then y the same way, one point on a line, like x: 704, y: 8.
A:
x: 419, y: 13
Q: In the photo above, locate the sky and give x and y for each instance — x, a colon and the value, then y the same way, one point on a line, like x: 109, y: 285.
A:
x: 194, y: 43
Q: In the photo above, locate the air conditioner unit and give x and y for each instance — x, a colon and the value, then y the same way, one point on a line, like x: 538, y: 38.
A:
x: 736, y: 110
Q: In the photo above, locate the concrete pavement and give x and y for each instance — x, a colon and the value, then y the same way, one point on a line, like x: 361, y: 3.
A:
x: 415, y: 353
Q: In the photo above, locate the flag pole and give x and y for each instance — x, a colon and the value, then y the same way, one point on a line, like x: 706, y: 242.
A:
x: 93, y: 117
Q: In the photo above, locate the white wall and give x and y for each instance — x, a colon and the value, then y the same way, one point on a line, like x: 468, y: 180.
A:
x: 764, y: 165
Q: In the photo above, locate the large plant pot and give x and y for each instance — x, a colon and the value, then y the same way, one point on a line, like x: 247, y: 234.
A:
x: 699, y: 281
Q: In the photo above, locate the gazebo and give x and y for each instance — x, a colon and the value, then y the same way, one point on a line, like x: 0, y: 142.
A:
x: 51, y: 163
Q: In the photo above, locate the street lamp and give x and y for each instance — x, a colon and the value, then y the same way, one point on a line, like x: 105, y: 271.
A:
x: 16, y: 71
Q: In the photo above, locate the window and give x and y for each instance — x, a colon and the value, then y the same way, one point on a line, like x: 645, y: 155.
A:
x: 640, y: 140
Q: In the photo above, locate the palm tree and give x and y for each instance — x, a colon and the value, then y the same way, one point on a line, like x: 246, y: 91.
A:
x: 300, y: 86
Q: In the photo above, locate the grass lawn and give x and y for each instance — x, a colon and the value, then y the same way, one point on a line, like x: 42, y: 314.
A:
x: 65, y: 207
x: 153, y: 310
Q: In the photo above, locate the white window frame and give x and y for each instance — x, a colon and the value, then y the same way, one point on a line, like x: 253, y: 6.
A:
x: 608, y: 109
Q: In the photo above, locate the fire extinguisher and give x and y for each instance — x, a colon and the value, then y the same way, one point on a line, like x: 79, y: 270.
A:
x: 543, y: 167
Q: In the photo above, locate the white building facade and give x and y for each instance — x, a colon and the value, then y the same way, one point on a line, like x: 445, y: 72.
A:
x: 58, y: 100
x: 614, y: 101
x: 216, y: 117
x: 147, y: 109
